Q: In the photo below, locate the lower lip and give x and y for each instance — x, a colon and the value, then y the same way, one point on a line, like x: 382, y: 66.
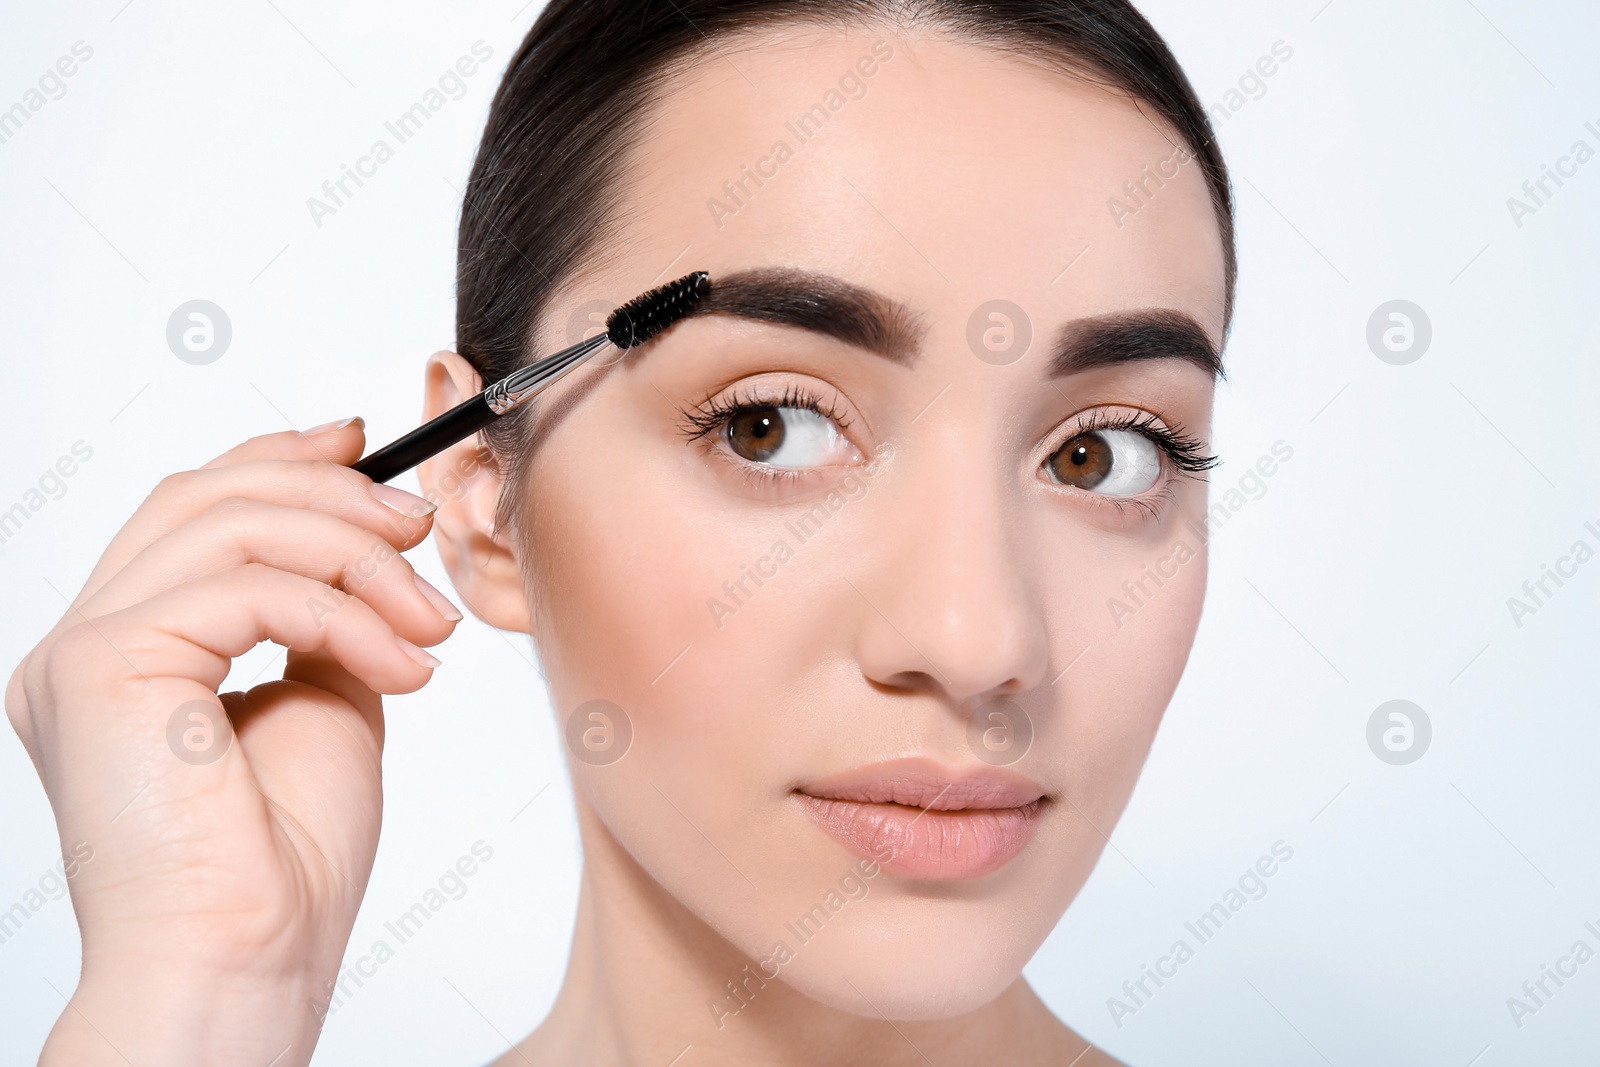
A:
x: 939, y: 845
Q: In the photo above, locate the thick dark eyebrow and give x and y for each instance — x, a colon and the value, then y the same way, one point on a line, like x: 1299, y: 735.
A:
x: 825, y: 304
x: 1129, y: 336
x: 821, y: 303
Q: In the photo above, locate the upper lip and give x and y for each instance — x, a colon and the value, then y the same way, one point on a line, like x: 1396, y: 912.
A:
x: 922, y: 783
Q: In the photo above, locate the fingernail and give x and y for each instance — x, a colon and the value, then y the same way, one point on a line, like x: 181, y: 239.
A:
x: 437, y: 599
x: 338, y: 424
x: 408, y: 504
x: 421, y: 657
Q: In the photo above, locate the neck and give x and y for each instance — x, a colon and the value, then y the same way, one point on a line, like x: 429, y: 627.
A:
x: 650, y: 983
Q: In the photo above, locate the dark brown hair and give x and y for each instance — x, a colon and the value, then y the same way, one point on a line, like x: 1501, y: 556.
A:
x: 546, y: 185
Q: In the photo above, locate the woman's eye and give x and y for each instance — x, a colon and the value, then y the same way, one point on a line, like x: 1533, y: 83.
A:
x: 786, y: 437
x: 1109, y: 462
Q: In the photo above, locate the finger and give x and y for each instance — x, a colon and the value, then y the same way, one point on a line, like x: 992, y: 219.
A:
x: 194, y: 631
x: 237, y: 531
x: 402, y: 518
x: 322, y: 671
x: 337, y: 442
x: 19, y: 710
x: 318, y: 761
x: 128, y: 677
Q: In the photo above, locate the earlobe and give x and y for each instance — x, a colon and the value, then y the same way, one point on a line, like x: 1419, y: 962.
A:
x: 465, y: 482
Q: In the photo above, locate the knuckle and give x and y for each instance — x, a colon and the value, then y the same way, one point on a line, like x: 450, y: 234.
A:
x: 231, y: 506
x: 263, y: 583
x: 306, y: 482
x: 67, y: 656
x: 258, y: 573
x: 171, y: 488
x: 19, y: 708
x: 279, y: 441
x: 373, y: 556
x: 325, y: 603
x: 297, y: 446
x: 229, y: 519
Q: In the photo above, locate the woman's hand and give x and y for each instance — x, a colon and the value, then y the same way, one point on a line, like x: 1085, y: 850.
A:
x: 228, y: 839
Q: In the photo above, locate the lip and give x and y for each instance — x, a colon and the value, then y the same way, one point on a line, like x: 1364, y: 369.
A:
x: 921, y: 820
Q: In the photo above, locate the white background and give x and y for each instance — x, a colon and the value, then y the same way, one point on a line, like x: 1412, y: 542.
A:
x: 1376, y: 566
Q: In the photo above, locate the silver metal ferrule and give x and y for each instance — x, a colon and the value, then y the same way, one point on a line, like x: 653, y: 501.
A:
x: 519, y: 386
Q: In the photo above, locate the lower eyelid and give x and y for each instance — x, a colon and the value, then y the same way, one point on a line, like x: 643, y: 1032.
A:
x: 766, y: 475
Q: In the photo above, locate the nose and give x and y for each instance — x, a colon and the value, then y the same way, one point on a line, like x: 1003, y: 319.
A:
x: 949, y: 606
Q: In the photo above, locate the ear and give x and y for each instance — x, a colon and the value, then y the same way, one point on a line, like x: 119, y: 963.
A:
x: 465, y: 481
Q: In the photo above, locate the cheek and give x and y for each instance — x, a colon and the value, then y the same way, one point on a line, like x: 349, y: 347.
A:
x: 639, y: 571
x: 619, y: 580
x: 1127, y: 608
x: 668, y: 602
x: 654, y: 594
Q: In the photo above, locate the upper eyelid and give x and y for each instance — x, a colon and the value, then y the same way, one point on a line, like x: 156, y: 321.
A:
x: 744, y: 394
x: 1182, y: 454
x: 790, y: 396
x: 1083, y: 421
x: 1133, y: 410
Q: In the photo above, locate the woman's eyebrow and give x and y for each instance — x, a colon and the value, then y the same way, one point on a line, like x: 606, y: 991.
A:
x: 1129, y: 336
x: 829, y: 305
x: 821, y: 303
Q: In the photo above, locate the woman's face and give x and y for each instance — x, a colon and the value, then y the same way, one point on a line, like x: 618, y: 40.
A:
x: 929, y: 599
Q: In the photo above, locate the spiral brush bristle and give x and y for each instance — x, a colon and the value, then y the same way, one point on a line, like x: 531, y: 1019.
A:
x: 646, y: 315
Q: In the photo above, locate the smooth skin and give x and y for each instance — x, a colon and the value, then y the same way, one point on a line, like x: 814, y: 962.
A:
x: 222, y: 898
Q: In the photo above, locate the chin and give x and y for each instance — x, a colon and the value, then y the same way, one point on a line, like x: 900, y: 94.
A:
x: 916, y: 959
x: 909, y: 975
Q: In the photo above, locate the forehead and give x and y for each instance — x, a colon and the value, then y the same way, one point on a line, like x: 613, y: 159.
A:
x: 941, y: 171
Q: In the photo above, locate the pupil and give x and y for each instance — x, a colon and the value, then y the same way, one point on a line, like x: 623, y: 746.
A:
x: 756, y: 435
x: 1084, y: 461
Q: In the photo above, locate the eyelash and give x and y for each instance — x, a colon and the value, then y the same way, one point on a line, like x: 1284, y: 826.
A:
x: 712, y: 415
x: 707, y: 418
x: 1185, y: 453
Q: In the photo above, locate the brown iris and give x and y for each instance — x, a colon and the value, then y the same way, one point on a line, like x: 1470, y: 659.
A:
x: 1083, y: 461
x: 756, y: 434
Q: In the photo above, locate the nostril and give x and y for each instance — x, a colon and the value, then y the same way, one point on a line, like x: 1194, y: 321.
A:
x: 904, y: 682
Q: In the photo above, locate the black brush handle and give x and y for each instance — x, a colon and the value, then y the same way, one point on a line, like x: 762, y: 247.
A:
x: 632, y: 324
x: 429, y: 439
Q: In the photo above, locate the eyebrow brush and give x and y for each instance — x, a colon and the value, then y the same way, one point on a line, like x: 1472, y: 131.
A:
x: 632, y: 324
